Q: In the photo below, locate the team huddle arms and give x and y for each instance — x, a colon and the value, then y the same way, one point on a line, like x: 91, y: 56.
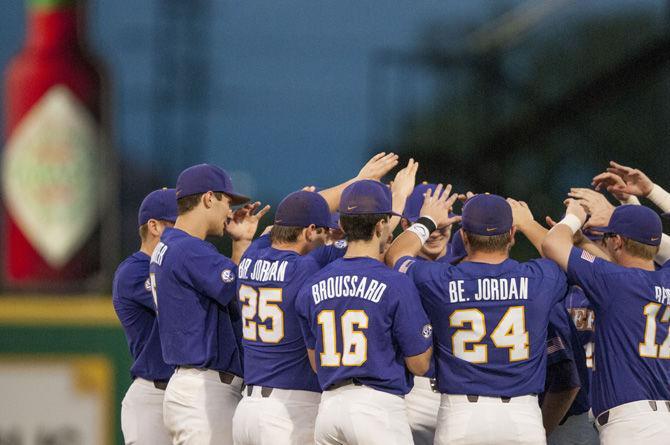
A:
x: 326, y: 329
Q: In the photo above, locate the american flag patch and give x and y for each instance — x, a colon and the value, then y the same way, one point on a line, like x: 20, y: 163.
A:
x: 554, y: 344
x: 588, y: 257
x: 405, y: 266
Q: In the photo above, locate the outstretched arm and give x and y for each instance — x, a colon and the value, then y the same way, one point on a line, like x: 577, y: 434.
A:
x: 436, y: 207
x: 378, y: 166
x: 526, y: 224
x: 622, y: 180
x: 558, y: 242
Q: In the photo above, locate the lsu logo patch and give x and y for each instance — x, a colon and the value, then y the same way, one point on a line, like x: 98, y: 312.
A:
x: 227, y: 276
x: 147, y: 285
x: 340, y: 244
x: 427, y: 331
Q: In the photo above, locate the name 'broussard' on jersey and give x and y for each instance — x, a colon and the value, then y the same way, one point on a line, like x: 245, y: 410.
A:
x: 362, y: 319
x: 490, y: 322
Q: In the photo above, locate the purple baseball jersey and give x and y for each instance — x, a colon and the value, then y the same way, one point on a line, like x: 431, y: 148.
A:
x: 362, y: 319
x: 268, y: 283
x: 198, y: 320
x: 134, y: 305
x: 632, y: 340
x: 490, y: 322
x: 581, y: 311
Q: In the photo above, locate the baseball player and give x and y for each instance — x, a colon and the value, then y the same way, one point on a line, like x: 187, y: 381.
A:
x: 363, y: 326
x: 283, y: 394
x: 631, y: 382
x: 423, y: 401
x: 490, y: 315
x: 142, y: 407
x: 194, y: 287
x: 566, y: 401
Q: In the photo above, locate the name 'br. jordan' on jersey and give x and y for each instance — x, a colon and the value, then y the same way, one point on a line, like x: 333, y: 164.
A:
x: 632, y: 339
x: 490, y: 322
x: 198, y: 318
x: 268, y: 283
x: 362, y: 319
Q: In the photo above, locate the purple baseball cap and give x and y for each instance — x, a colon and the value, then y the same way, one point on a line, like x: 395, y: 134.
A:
x: 456, y: 248
x: 159, y: 204
x: 301, y: 209
x: 415, y: 201
x: 487, y: 215
x: 635, y: 222
x: 335, y: 221
x: 366, y: 197
x: 203, y: 178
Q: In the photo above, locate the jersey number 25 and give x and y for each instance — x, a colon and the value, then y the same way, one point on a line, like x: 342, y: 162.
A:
x: 264, y: 303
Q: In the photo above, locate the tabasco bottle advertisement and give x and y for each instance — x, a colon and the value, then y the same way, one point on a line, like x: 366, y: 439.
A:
x: 53, y: 161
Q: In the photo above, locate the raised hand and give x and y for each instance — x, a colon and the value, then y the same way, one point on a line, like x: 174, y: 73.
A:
x: 378, y: 166
x: 631, y: 180
x: 438, y: 204
x: 405, y: 179
x: 521, y: 214
x: 573, y: 207
x: 592, y: 201
x: 244, y: 222
x: 466, y: 196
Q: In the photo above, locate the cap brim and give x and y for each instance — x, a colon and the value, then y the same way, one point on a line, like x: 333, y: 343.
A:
x: 601, y: 229
x: 371, y: 213
x: 236, y: 199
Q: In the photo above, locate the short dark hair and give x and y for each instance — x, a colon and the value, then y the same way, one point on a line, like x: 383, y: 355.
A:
x: 285, y: 234
x: 640, y: 250
x: 288, y: 234
x: 361, y: 227
x: 483, y: 243
x: 144, y: 231
x: 188, y: 203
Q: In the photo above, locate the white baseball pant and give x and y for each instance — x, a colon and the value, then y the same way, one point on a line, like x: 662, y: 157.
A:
x: 199, y: 408
x: 489, y: 421
x: 422, y: 406
x: 359, y: 415
x: 636, y: 423
x: 142, y: 415
x: 284, y: 417
x: 577, y: 430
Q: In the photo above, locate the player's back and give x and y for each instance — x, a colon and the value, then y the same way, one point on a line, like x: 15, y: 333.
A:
x: 632, y: 339
x: 360, y: 324
x: 274, y: 350
x: 490, y: 322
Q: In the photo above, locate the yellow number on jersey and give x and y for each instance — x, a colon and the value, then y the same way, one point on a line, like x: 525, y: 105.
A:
x: 261, y: 302
x: 355, y: 344
x: 510, y: 333
x: 649, y: 348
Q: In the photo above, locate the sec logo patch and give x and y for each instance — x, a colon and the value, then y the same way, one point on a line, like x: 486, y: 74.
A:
x: 147, y: 285
x: 427, y: 331
x: 227, y: 276
x: 341, y: 244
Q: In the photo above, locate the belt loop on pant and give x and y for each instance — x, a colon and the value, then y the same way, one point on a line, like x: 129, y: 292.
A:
x: 161, y: 384
x: 603, y: 418
x: 342, y: 383
x: 475, y: 399
x: 265, y: 391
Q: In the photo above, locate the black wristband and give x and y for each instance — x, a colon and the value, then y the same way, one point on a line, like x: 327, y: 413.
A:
x: 427, y: 222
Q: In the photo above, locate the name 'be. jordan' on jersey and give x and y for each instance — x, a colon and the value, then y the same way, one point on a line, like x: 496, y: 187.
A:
x: 490, y: 322
x: 362, y: 319
x: 268, y: 283
x: 632, y: 339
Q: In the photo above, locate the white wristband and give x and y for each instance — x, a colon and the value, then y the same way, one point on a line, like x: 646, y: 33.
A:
x: 421, y: 231
x: 571, y: 221
x: 660, y: 197
x: 632, y: 200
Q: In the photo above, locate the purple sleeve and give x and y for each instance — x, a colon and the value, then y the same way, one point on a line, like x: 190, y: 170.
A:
x: 562, y: 376
x: 557, y: 348
x: 212, y: 274
x: 587, y: 272
x: 302, y: 309
x: 411, y: 329
x: 325, y: 255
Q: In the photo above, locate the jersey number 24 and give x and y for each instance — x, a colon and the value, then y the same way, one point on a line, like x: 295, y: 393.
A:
x: 509, y: 333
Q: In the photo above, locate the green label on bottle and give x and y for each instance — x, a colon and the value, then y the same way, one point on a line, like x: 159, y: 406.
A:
x: 50, y: 172
x: 50, y: 4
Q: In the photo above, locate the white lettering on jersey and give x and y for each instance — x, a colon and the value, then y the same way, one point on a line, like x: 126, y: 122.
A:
x: 348, y: 286
x: 267, y: 270
x: 498, y: 289
x: 159, y: 253
x: 662, y: 295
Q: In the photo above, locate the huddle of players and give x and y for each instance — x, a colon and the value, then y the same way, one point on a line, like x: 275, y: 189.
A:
x: 331, y: 335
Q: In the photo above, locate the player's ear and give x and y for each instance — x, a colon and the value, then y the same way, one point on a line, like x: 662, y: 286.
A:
x: 404, y: 223
x: 206, y: 199
x: 154, y: 227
